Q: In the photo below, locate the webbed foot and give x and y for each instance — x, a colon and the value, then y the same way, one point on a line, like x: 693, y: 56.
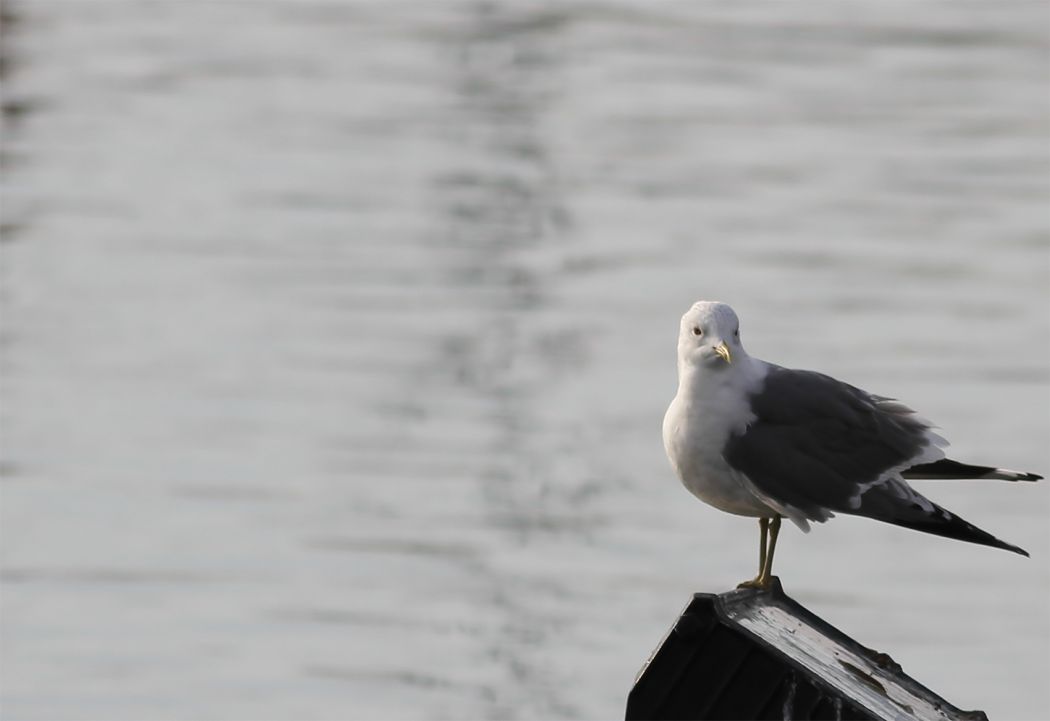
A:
x: 759, y: 583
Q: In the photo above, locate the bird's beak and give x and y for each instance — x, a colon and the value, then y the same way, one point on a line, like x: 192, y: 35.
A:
x: 723, y: 350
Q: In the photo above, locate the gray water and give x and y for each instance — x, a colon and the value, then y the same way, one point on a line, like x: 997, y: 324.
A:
x: 337, y: 336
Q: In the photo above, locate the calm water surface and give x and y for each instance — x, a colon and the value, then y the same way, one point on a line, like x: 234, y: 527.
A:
x: 337, y: 336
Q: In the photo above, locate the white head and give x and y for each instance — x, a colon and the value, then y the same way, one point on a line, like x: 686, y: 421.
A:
x: 709, y: 337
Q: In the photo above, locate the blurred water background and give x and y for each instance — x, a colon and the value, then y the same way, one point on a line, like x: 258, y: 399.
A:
x: 337, y: 336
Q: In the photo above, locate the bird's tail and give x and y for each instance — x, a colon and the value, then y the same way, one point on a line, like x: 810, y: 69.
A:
x: 897, y: 503
x: 946, y: 468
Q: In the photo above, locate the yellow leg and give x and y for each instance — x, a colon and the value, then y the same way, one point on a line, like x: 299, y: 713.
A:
x: 763, y: 528
x: 774, y: 532
x: 764, y: 579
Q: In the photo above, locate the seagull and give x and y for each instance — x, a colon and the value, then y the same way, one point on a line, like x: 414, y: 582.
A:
x: 756, y: 439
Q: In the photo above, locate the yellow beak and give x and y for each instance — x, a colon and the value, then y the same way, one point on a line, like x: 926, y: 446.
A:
x: 723, y: 350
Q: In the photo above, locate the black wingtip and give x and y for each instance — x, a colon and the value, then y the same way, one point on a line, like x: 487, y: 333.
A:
x: 946, y: 469
x: 1024, y: 476
x: 937, y: 521
x: 1010, y: 547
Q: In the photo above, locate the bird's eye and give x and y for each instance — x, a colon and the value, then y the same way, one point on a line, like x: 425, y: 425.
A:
x: 697, y: 331
x: 736, y: 333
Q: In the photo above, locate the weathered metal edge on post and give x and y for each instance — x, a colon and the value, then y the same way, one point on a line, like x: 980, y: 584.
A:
x: 750, y: 654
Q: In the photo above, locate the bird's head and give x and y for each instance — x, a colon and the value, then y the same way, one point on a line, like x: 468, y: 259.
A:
x: 709, y: 337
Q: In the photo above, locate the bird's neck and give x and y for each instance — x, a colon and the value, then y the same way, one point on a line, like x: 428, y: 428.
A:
x: 696, y: 380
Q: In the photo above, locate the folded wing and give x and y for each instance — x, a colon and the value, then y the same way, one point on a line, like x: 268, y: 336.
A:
x: 818, y: 446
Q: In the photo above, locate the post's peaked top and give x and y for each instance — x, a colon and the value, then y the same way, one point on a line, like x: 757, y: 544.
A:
x: 759, y: 654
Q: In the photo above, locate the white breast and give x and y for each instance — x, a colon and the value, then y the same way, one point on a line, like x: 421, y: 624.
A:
x: 707, y: 408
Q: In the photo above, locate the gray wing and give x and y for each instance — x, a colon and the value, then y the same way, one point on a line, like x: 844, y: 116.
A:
x: 816, y: 443
x: 819, y: 445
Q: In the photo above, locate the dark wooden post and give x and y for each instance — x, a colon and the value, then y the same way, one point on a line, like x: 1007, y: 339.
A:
x: 760, y: 655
